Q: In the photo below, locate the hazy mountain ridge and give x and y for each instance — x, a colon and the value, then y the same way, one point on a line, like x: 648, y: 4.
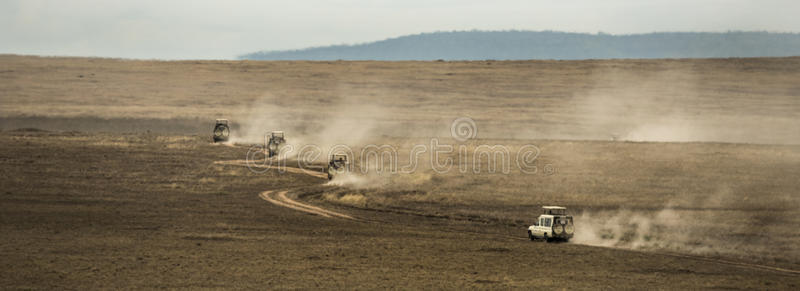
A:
x: 513, y: 45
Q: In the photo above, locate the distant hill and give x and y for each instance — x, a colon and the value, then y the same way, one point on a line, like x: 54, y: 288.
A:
x: 517, y: 45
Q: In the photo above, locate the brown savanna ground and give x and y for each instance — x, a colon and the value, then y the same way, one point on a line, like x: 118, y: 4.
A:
x: 133, y: 207
x: 152, y: 211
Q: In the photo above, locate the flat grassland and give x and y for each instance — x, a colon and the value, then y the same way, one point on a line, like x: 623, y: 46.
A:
x: 729, y: 100
x: 124, y: 192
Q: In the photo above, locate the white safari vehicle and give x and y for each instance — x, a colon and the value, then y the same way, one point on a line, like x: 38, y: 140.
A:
x: 552, y: 225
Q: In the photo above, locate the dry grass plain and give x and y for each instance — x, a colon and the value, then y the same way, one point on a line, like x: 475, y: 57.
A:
x: 732, y: 100
x: 109, y: 200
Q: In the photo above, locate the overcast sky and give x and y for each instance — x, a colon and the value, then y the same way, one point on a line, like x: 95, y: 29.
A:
x: 198, y: 29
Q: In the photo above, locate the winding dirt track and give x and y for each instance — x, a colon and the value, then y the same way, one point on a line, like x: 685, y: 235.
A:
x: 280, y: 198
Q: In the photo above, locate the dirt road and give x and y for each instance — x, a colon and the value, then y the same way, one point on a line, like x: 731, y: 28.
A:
x: 279, y: 198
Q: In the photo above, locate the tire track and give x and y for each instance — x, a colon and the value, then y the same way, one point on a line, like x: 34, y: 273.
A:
x: 279, y: 198
x: 733, y: 263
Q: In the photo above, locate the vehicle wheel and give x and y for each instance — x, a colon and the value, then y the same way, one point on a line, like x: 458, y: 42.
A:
x: 546, y: 238
x: 530, y: 236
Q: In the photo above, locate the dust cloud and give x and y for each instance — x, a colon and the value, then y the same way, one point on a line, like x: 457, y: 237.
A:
x: 717, y: 224
x: 344, y: 123
x: 631, y: 229
x: 385, y: 181
x: 349, y: 122
x: 353, y: 180
x: 671, y: 104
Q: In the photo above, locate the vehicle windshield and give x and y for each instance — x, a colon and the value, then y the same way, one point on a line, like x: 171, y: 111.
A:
x: 563, y: 220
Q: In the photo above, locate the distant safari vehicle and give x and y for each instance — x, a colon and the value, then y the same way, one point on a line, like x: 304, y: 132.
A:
x: 276, y: 140
x: 222, y: 130
x: 338, y: 163
x: 552, y: 225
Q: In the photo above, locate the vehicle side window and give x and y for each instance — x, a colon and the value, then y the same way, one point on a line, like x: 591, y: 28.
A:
x: 541, y: 221
x: 547, y: 222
